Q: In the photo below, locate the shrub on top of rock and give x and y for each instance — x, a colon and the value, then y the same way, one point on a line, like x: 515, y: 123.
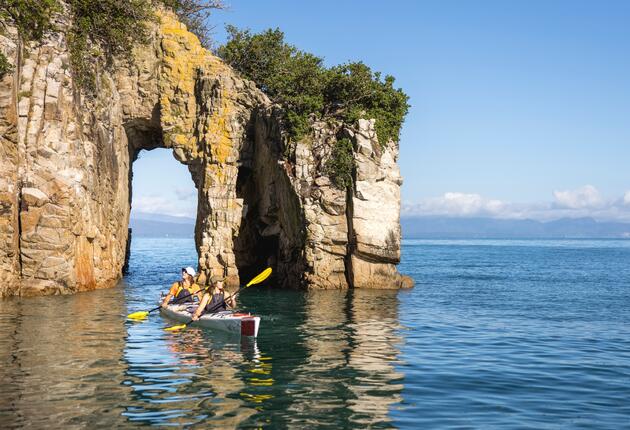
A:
x: 301, y: 83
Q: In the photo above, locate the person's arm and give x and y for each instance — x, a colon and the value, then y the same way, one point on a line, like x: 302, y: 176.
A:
x: 201, y: 307
x: 230, y: 300
x: 170, y: 295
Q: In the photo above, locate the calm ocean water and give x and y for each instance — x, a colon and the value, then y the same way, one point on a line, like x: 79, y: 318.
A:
x: 496, y: 334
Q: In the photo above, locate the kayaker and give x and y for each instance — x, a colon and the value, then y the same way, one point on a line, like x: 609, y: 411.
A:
x: 216, y: 300
x: 186, y: 287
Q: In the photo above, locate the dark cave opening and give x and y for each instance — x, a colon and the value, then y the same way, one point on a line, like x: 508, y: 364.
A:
x: 257, y: 245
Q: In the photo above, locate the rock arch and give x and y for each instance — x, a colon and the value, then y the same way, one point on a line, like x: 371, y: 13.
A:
x: 187, y: 100
x: 66, y: 162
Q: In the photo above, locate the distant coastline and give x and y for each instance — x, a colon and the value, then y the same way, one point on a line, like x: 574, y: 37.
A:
x: 429, y: 227
x: 432, y: 227
x: 158, y: 225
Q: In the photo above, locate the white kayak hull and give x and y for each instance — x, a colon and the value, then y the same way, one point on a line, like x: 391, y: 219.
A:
x: 227, y: 321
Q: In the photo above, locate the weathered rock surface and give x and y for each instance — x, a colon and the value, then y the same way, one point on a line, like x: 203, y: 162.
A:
x: 9, y: 211
x: 65, y: 168
x: 64, y: 176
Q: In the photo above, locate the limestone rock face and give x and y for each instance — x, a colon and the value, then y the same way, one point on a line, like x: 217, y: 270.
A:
x: 64, y: 175
x: 66, y: 160
x: 375, y: 212
x: 9, y: 211
x: 296, y: 220
x: 313, y: 233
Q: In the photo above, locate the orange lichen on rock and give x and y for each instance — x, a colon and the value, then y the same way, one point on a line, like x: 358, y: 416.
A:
x: 185, y: 60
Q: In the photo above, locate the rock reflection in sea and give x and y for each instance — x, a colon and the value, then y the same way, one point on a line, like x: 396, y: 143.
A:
x: 348, y: 372
x: 60, y: 361
x: 322, y: 357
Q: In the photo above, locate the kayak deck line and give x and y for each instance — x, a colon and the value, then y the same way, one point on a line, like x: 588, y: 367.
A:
x: 243, y: 324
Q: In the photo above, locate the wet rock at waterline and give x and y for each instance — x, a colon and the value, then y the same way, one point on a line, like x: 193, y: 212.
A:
x: 66, y: 159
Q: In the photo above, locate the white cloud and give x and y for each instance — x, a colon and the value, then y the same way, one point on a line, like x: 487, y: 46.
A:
x: 186, y: 193
x: 585, y: 197
x: 457, y: 204
x: 582, y: 202
x: 164, y: 206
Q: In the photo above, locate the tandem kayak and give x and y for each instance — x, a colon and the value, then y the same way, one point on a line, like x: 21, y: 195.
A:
x: 226, y: 321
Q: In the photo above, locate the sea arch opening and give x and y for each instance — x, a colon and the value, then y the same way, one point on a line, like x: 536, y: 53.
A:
x: 163, y: 201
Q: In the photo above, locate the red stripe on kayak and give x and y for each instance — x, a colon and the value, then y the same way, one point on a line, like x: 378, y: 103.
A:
x: 248, y: 327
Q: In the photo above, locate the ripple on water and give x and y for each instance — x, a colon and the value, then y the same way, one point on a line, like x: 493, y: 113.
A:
x: 526, y: 334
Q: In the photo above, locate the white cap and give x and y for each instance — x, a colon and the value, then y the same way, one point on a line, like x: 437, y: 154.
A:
x: 190, y: 271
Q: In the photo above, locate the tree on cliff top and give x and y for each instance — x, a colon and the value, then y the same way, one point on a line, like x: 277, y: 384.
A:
x: 301, y: 83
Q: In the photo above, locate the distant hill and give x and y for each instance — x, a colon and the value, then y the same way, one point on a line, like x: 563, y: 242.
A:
x: 162, y: 218
x: 157, y: 225
x: 470, y: 228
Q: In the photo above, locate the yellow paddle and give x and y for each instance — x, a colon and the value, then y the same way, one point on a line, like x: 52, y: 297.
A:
x: 257, y: 280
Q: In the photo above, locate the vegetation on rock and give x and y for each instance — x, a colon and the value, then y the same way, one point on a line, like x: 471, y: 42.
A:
x: 5, y: 66
x: 340, y: 165
x: 301, y: 83
x: 105, y: 30
x: 31, y: 17
x: 102, y: 30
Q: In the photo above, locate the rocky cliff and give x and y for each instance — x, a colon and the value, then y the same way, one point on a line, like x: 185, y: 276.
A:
x: 66, y: 163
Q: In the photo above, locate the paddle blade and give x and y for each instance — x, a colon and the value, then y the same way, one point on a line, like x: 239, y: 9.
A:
x: 176, y: 327
x: 258, y: 279
x: 140, y: 315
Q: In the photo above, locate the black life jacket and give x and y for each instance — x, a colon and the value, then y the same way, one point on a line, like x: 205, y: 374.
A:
x: 216, y: 304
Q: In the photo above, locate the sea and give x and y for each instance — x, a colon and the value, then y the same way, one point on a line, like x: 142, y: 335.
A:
x: 496, y: 334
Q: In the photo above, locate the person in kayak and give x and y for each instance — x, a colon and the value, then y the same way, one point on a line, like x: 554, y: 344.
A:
x: 183, y: 291
x: 216, y: 300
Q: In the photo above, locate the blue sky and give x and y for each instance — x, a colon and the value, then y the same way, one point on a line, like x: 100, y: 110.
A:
x: 518, y: 108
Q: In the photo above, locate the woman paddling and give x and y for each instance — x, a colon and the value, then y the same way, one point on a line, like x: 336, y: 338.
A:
x: 216, y: 300
x: 183, y: 291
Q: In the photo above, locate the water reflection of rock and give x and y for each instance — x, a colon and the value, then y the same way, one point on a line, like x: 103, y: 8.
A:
x: 375, y: 342
x: 353, y: 342
x: 61, y: 361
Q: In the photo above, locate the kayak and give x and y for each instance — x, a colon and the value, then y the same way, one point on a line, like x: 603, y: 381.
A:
x: 226, y: 321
